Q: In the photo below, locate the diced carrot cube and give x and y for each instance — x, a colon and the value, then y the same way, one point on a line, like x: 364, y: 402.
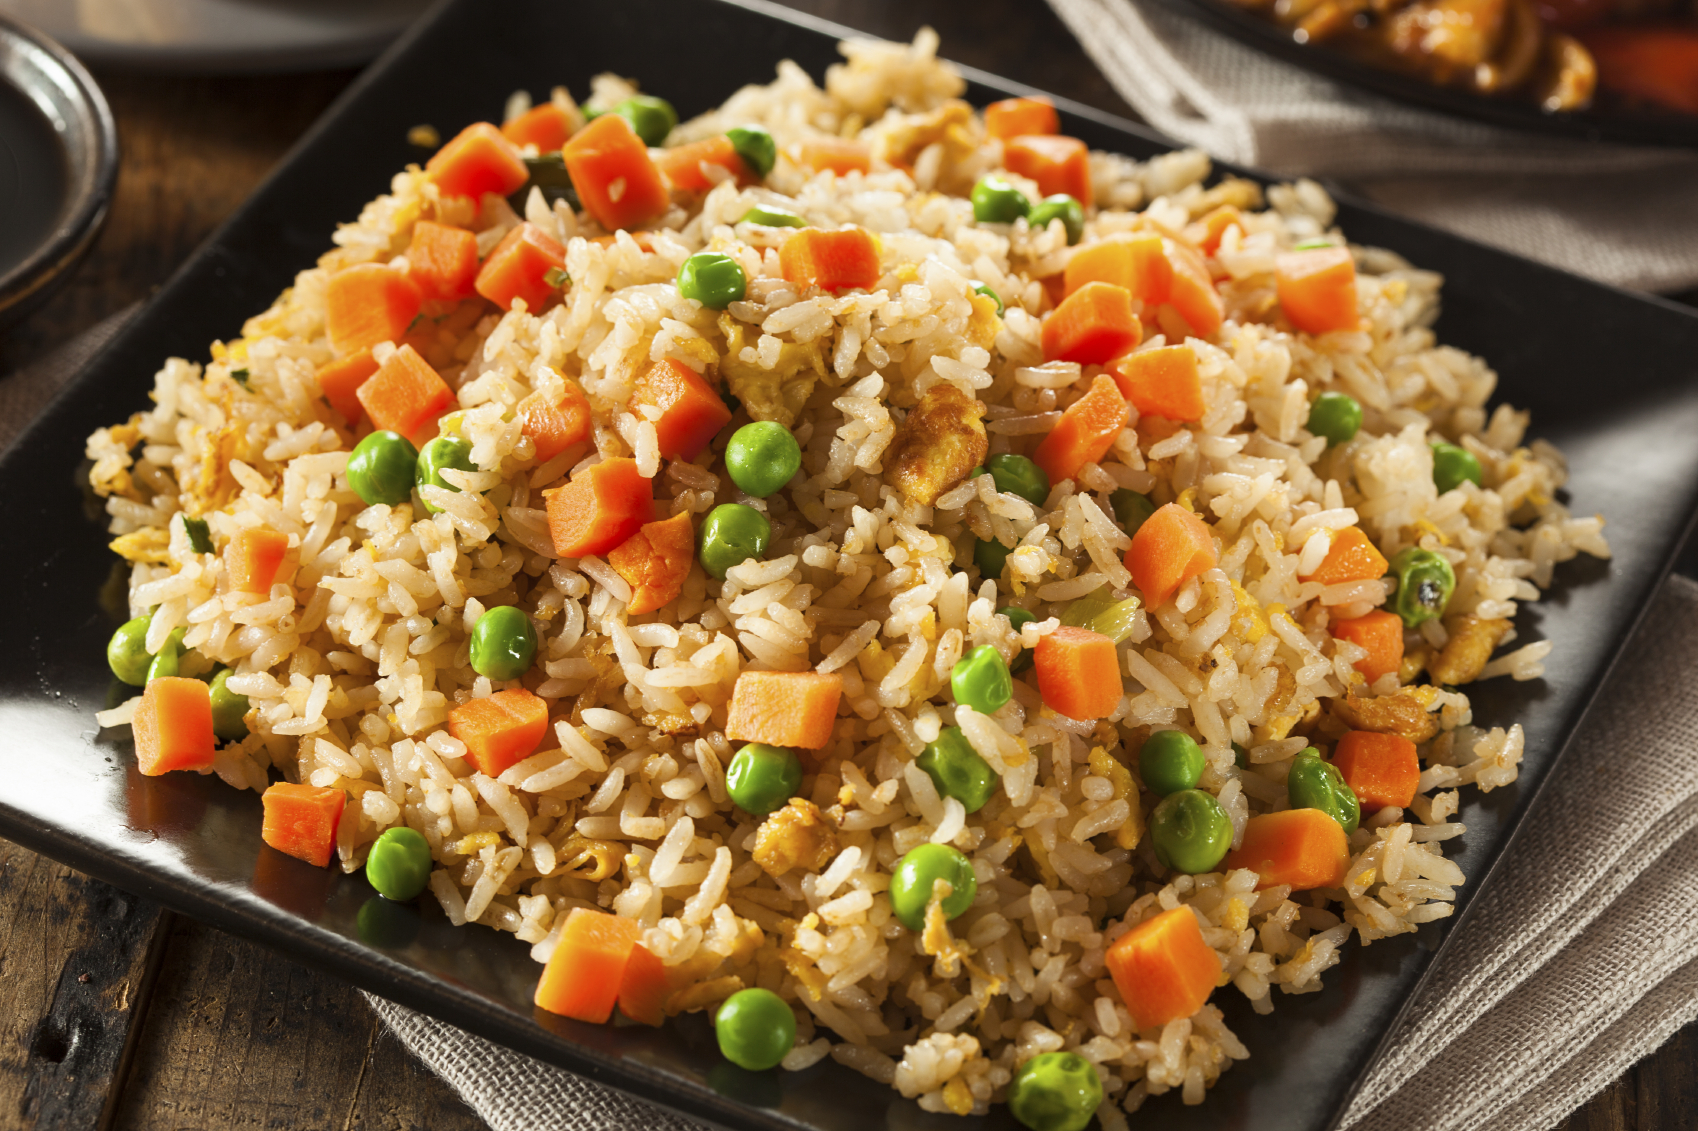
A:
x: 253, y: 557
x: 839, y: 154
x: 1207, y: 232
x: 499, y: 730
x: 1163, y: 968
x: 1078, y: 673
x: 1381, y: 633
x: 682, y: 165
x: 518, y: 268
x: 545, y: 126
x: 599, y: 508
x: 1317, y: 289
x: 405, y: 395
x: 835, y: 261
x: 1192, y: 293
x: 1014, y: 117
x: 555, y: 427
x: 784, y: 708
x: 1134, y: 260
x: 610, y: 167
x: 691, y: 413
x: 644, y: 987
x: 477, y: 160
x: 366, y: 304
x: 172, y: 726
x: 1353, y: 557
x: 1092, y: 325
x: 443, y: 261
x: 301, y: 820
x: 1057, y: 164
x: 340, y: 381
x: 1171, y: 547
x: 1305, y: 848
x: 1381, y: 769
x: 584, y: 974
x: 1162, y: 382
x: 1085, y: 432
x: 655, y: 561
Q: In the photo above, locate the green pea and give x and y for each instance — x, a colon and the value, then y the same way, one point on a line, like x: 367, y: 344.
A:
x: 1451, y: 465
x: 1425, y: 582
x: 1240, y: 757
x: 200, y: 535
x: 1017, y: 475
x: 911, y: 883
x: 772, y: 216
x: 712, y: 279
x: 382, y: 468
x: 755, y: 1028
x: 504, y: 643
x: 756, y: 147
x: 399, y: 864
x: 980, y: 680
x: 1317, y: 784
x: 1055, y: 1091
x: 762, y: 457
x: 1131, y: 509
x: 731, y: 534
x: 989, y: 292
x: 995, y: 201
x: 442, y: 452
x: 1060, y: 207
x: 651, y: 118
x: 1190, y: 831
x: 1336, y: 416
x: 990, y: 556
x: 228, y: 708
x: 1019, y: 618
x: 762, y: 778
x: 165, y: 660
x: 957, y: 770
x: 1169, y: 761
x: 126, y: 652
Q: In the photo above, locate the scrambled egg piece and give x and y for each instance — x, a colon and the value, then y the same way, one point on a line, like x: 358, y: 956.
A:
x: 942, y: 439
x: 149, y: 544
x: 778, y: 393
x: 900, y: 143
x: 1407, y: 713
x: 587, y: 859
x: 1106, y: 765
x: 1472, y: 640
x: 797, y: 835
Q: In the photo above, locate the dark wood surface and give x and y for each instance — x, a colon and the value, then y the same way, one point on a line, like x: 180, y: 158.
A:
x: 116, y: 1013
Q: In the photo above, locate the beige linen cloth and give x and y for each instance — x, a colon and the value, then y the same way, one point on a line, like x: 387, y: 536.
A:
x: 1580, y: 957
x: 1623, y: 215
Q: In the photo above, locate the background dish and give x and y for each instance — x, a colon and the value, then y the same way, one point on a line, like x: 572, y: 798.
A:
x: 70, y: 792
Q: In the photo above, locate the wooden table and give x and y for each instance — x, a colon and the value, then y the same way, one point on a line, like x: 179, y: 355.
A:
x: 119, y: 1014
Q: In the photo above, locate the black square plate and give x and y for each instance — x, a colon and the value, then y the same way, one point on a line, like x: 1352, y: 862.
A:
x: 1611, y: 377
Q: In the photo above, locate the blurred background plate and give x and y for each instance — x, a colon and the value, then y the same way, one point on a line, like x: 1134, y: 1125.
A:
x: 220, y: 35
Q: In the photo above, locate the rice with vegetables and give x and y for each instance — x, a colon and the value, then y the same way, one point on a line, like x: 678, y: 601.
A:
x: 1109, y: 646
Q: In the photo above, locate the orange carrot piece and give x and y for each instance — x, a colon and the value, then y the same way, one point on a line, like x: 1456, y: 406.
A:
x: 477, y: 160
x: 555, y: 427
x: 367, y: 304
x: 1656, y: 64
x: 610, y: 167
x: 682, y: 164
x: 1353, y: 557
x: 1161, y: 382
x: 1163, y: 968
x: 839, y: 154
x: 253, y: 557
x: 1078, y: 673
x: 1192, y: 293
x: 1171, y: 548
x: 1381, y: 633
x: 301, y: 820
x: 519, y: 267
x: 1134, y: 260
x: 599, y: 508
x: 499, y: 730
x: 173, y: 726
x: 339, y: 381
x: 1305, y: 848
x: 644, y: 988
x: 656, y: 560
x: 1085, y: 431
x: 584, y: 974
x: 1057, y: 164
x: 406, y: 395
x: 1317, y: 289
x: 1207, y: 232
x: 843, y: 260
x: 546, y: 126
x: 1092, y: 325
x: 1015, y: 117
x: 784, y: 708
x: 1381, y: 769
x: 443, y: 261
x: 691, y: 413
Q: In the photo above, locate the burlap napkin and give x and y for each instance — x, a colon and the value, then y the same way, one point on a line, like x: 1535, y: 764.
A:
x: 1580, y: 958
x: 1619, y: 214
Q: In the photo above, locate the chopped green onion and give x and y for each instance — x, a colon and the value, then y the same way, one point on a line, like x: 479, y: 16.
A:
x: 1081, y: 612
x: 200, y: 537
x: 1116, y: 621
x: 555, y: 277
x: 240, y: 376
x: 1312, y: 244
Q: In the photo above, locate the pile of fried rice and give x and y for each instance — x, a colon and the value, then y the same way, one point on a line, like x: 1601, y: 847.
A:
x: 353, y: 660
